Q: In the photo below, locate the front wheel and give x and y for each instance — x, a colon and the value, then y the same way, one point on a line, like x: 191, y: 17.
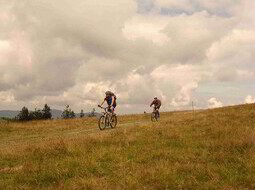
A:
x: 157, y: 115
x: 101, y: 123
x: 154, y: 116
x: 113, y: 121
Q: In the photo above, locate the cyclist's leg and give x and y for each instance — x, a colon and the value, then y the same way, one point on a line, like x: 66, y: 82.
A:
x: 113, y: 108
x: 158, y: 111
x: 109, y: 109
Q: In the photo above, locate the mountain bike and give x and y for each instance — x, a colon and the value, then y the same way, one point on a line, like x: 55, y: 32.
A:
x: 155, y: 114
x: 108, y: 119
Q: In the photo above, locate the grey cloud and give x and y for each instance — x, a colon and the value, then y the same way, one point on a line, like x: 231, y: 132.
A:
x: 192, y: 35
x: 72, y: 51
x: 218, y: 7
x: 65, y: 35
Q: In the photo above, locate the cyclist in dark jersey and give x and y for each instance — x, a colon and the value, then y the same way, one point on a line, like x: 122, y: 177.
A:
x: 157, y: 103
x: 110, y: 98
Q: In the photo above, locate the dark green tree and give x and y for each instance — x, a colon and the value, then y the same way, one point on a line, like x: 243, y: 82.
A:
x: 65, y: 114
x: 92, y: 113
x: 23, y: 114
x: 36, y: 115
x: 68, y: 113
x: 72, y: 114
x: 46, y: 112
x: 82, y: 114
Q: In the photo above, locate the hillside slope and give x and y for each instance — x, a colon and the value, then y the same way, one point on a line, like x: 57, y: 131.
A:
x: 211, y: 149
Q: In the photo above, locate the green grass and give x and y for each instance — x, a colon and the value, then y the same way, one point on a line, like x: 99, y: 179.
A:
x: 211, y: 149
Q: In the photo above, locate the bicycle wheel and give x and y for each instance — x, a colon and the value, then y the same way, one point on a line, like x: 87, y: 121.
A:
x: 157, y: 115
x: 113, y: 121
x: 101, y: 123
x: 153, y: 116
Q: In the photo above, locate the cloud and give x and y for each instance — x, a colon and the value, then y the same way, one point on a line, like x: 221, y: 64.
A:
x: 71, y: 51
x: 183, y: 98
x: 55, y: 40
x: 214, y: 103
x: 220, y: 8
x: 249, y: 99
x: 6, y: 97
x: 231, y: 56
x: 148, y: 28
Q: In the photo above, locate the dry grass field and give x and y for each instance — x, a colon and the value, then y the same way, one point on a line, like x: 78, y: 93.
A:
x: 211, y: 149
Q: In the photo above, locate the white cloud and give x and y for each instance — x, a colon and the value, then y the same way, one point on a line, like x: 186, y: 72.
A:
x: 214, y: 103
x: 6, y: 97
x: 238, y: 44
x: 71, y: 51
x: 232, y: 55
x: 183, y: 98
x: 249, y: 99
x: 146, y: 28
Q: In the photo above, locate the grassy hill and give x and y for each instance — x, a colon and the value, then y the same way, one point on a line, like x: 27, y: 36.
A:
x: 211, y: 149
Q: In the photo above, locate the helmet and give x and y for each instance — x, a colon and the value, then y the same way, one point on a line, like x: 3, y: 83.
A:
x: 108, y: 93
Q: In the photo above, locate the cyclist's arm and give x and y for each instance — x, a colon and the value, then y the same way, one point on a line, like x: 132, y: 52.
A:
x: 102, y: 103
x: 113, y: 100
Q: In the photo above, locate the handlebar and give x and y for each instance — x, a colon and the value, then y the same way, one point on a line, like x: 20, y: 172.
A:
x: 104, y: 108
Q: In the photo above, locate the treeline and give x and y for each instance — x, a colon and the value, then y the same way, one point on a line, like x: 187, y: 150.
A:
x: 45, y: 113
x: 25, y: 115
x: 68, y: 113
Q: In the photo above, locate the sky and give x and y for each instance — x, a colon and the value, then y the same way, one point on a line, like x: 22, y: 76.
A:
x: 69, y: 52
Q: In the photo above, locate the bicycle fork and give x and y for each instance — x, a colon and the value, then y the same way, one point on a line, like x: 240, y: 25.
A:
x: 107, y: 120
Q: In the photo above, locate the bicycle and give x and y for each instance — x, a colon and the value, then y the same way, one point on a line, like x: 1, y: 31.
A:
x: 155, y: 114
x: 107, y: 119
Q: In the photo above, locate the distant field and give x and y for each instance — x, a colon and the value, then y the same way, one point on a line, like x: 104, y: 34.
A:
x: 211, y: 149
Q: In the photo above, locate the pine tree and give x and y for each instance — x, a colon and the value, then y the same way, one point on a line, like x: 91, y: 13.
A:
x: 35, y: 115
x: 72, y: 114
x: 92, y: 113
x: 23, y: 114
x: 46, y: 112
x: 82, y: 114
x: 66, y: 114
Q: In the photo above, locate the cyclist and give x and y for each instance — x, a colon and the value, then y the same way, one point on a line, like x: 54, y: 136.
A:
x: 110, y: 98
x: 157, y: 103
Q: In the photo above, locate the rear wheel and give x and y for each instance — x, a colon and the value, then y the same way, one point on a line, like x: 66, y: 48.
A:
x: 157, y: 115
x: 101, y: 123
x: 113, y: 121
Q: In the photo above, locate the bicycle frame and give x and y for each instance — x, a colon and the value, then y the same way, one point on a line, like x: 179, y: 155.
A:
x: 107, y: 119
x: 105, y: 112
x: 155, y: 110
x: 155, y: 114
